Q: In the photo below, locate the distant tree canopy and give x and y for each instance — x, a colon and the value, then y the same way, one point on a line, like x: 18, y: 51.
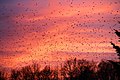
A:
x: 72, y: 69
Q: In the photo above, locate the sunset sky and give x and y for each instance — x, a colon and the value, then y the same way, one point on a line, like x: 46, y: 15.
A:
x: 56, y: 30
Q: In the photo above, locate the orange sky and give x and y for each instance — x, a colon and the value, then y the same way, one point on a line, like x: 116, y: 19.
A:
x: 43, y: 30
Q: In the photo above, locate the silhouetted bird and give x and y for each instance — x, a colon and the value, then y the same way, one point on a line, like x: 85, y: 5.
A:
x: 117, y: 48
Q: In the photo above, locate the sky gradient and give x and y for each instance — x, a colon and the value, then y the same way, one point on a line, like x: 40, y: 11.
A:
x: 56, y: 30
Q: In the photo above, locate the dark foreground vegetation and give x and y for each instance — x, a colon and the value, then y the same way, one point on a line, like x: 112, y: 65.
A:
x: 71, y: 70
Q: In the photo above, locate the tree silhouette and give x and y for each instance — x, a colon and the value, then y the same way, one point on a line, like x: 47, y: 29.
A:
x: 115, y: 64
x: 15, y: 75
x: 117, y: 48
x: 2, y: 75
x: 107, y: 71
x: 78, y: 70
x: 33, y: 72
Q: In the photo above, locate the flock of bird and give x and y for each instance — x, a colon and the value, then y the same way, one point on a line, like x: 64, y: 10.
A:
x: 68, y: 26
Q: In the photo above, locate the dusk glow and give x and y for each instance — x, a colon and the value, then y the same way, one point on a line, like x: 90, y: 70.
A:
x: 56, y: 30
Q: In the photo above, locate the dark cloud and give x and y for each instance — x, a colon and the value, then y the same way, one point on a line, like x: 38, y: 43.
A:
x: 8, y: 1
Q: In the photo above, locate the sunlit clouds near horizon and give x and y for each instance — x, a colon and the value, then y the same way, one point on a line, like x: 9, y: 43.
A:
x: 56, y: 30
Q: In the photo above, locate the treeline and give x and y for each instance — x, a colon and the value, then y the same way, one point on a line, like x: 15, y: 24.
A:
x: 71, y: 70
